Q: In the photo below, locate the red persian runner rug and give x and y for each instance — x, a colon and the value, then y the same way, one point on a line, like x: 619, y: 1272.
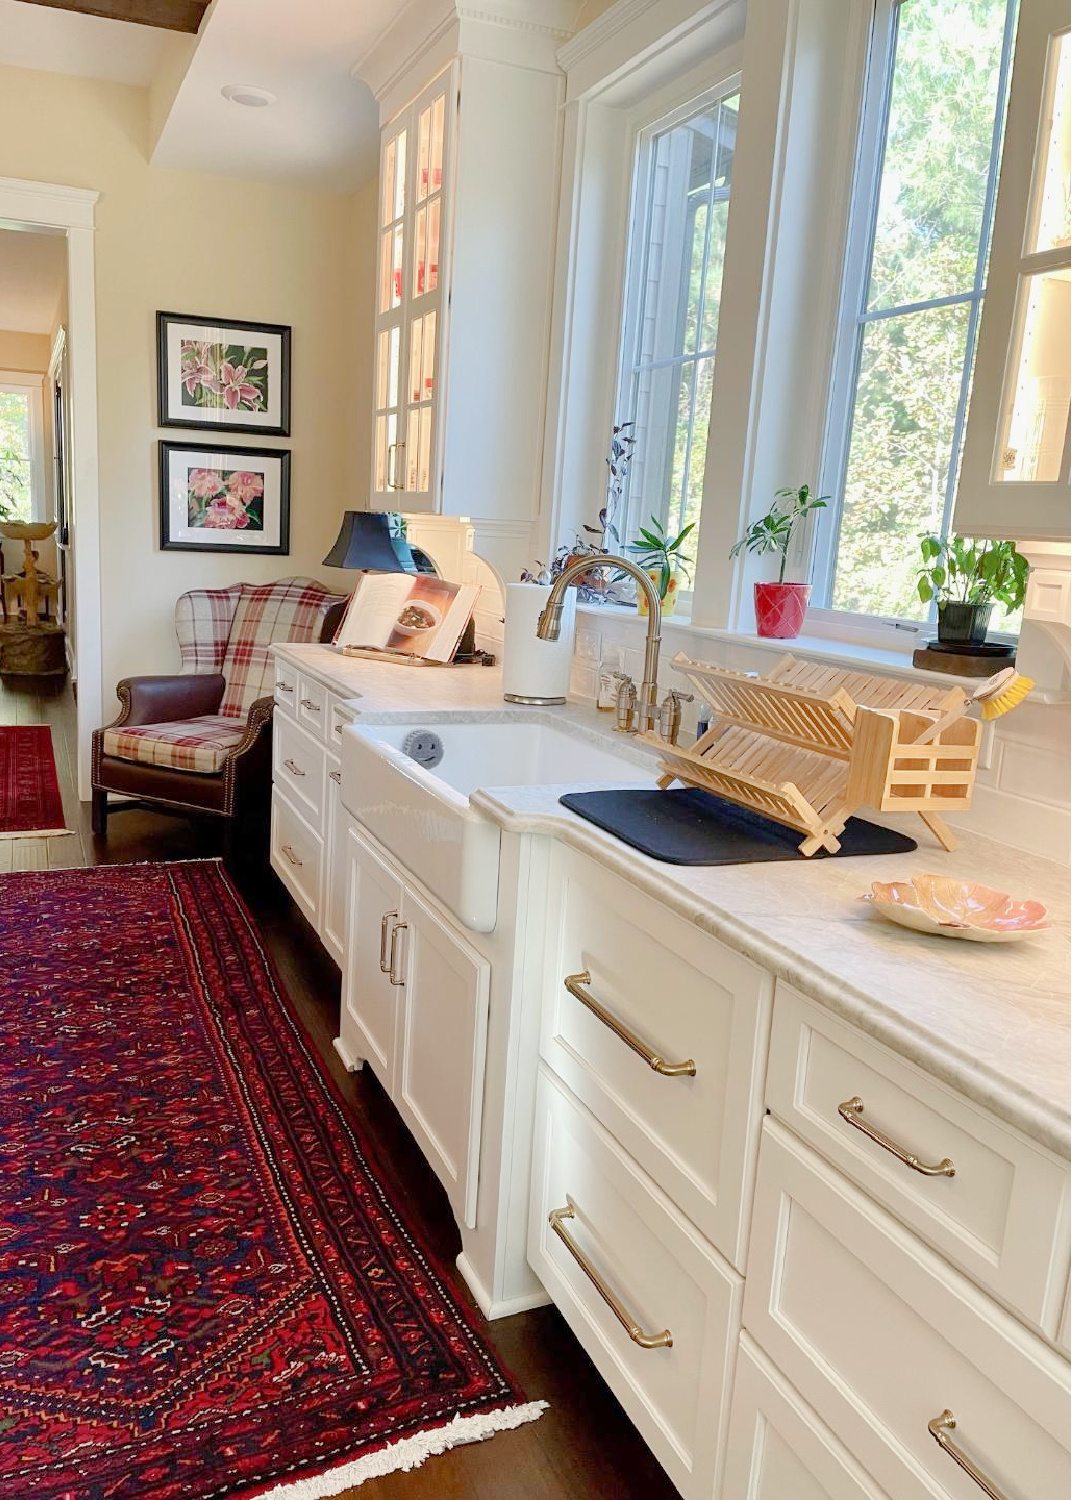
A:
x: 30, y: 801
x: 204, y: 1290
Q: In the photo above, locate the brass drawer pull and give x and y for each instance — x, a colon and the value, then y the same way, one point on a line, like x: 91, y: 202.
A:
x: 395, y: 930
x: 294, y: 768
x: 289, y: 852
x: 662, y: 1340
x: 336, y: 777
x: 284, y: 687
x: 939, y: 1429
x: 854, y: 1107
x: 310, y: 705
x: 576, y: 984
x: 384, y: 967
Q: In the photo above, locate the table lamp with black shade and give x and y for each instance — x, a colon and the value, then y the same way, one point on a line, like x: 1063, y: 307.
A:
x: 373, y: 542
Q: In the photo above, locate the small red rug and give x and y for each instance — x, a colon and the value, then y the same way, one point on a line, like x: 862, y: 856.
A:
x: 204, y: 1289
x: 30, y: 801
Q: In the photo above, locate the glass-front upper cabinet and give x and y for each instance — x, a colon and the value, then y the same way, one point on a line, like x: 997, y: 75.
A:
x: 414, y: 173
x: 1014, y: 480
x: 387, y: 468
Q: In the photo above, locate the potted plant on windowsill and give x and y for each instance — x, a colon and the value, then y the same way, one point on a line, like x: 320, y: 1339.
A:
x: 661, y: 557
x: 967, y: 579
x: 780, y: 606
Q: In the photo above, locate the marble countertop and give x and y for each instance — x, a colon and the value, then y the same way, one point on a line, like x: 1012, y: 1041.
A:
x: 992, y: 1021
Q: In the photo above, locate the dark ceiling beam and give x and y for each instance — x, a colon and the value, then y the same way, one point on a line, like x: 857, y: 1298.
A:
x: 172, y: 15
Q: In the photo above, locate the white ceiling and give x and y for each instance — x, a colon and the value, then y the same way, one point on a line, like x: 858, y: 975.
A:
x: 65, y: 41
x: 32, y: 269
x: 324, y: 129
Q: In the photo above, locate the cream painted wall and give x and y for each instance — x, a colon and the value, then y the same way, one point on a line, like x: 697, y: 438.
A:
x: 591, y: 10
x: 26, y: 352
x: 209, y: 245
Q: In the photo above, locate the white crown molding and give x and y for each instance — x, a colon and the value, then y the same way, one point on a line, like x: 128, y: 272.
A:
x: 638, y: 38
x: 554, y: 18
x: 501, y: 29
x: 47, y: 203
x: 599, y: 32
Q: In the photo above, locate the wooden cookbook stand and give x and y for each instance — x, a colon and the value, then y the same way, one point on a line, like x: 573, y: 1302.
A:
x: 808, y: 745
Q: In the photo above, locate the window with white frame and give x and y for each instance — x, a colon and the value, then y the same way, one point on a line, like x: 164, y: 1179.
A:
x: 681, y: 196
x: 22, y: 486
x: 915, y: 282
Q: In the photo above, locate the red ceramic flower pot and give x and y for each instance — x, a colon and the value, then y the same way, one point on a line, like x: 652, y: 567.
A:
x: 780, y: 609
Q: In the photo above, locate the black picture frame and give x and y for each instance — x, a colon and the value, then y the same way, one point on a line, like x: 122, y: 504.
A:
x: 189, y: 539
x: 168, y: 377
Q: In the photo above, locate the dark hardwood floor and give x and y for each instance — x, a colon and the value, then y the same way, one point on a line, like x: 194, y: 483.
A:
x: 584, y: 1446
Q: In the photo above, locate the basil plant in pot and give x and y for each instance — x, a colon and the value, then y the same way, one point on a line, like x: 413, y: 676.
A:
x: 967, y: 579
x: 780, y: 606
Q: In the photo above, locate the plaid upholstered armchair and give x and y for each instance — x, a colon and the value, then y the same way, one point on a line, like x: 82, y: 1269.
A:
x: 200, y: 741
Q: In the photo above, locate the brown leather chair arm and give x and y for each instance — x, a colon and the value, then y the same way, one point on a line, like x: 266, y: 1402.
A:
x: 163, y: 700
x: 258, y: 719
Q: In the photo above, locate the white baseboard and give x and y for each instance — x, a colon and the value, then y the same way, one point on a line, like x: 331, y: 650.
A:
x: 351, y: 1064
x: 504, y: 1308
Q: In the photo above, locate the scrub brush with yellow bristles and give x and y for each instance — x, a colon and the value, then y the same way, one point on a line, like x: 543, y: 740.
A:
x: 998, y: 694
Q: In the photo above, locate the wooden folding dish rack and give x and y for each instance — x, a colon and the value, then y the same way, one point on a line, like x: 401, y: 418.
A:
x: 808, y: 745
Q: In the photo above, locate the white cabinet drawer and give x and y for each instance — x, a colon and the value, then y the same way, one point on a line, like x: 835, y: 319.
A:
x: 286, y: 686
x: 1003, y: 1214
x: 688, y: 999
x: 297, y: 856
x: 882, y: 1337
x: 340, y: 713
x: 313, y: 705
x: 298, y: 767
x: 777, y: 1448
x: 664, y: 1275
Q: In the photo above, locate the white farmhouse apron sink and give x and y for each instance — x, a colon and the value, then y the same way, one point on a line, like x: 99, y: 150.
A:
x: 423, y: 815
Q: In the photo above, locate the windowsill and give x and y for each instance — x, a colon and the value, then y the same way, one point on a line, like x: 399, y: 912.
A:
x: 813, y: 648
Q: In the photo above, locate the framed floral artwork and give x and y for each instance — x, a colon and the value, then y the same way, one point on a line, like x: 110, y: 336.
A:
x: 232, y: 376
x: 224, y: 499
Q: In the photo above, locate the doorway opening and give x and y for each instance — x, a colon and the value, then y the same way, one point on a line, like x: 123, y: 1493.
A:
x: 48, y: 228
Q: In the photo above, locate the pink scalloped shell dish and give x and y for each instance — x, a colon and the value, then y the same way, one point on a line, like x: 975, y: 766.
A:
x: 957, y: 908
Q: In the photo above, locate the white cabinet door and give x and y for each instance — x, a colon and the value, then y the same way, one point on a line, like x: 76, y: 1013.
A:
x: 778, y: 1448
x: 370, y: 989
x: 333, y: 895
x: 1014, y: 475
x: 423, y: 302
x: 653, y: 1304
x: 414, y: 242
x: 442, y: 1046
x: 395, y: 221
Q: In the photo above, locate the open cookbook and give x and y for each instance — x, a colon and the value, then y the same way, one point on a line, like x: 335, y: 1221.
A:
x: 410, y: 614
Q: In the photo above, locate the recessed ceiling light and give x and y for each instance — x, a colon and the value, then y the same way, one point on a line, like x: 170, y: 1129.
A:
x: 247, y: 95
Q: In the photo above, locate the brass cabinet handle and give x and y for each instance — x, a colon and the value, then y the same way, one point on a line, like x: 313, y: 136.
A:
x: 854, y: 1107
x: 576, y: 984
x: 289, y: 852
x: 384, y: 969
x: 284, y: 687
x: 293, y: 768
x: 662, y: 1340
x: 395, y: 930
x: 392, y: 469
x: 336, y: 777
x: 939, y: 1429
x: 310, y: 705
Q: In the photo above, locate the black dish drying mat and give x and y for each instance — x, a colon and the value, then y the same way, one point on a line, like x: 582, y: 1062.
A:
x: 691, y: 827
